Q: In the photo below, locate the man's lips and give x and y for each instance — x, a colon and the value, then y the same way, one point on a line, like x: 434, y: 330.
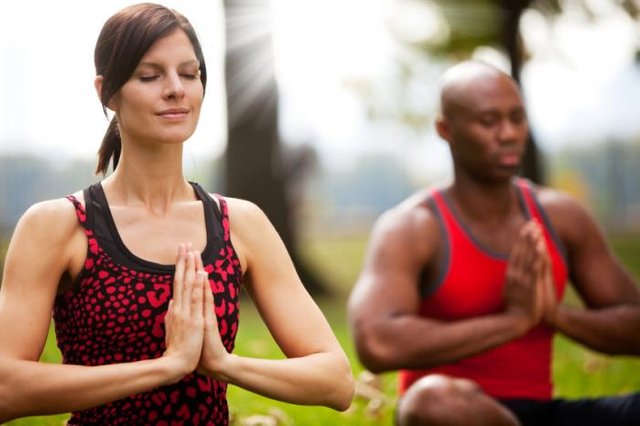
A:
x: 509, y: 159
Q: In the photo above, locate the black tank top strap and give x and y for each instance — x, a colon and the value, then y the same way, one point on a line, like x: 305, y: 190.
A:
x: 81, y: 213
x: 97, y: 217
x: 224, y: 217
x: 209, y: 204
x: 214, y: 216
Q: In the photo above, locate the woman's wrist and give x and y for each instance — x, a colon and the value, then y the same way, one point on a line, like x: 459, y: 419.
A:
x: 171, y: 368
x: 221, y: 368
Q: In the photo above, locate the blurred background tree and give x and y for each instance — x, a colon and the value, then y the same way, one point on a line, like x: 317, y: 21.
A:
x: 256, y: 167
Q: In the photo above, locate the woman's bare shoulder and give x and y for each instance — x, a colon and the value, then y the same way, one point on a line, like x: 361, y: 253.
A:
x: 54, y: 218
x: 242, y: 210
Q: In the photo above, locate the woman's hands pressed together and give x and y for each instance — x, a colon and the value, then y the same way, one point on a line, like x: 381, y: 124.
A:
x: 191, y: 306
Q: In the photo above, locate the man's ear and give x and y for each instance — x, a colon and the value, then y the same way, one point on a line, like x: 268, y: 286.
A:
x: 443, y: 128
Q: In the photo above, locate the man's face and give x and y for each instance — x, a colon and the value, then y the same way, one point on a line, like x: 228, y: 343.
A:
x: 488, y: 128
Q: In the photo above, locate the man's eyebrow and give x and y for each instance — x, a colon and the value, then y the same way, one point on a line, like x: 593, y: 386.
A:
x: 496, y: 110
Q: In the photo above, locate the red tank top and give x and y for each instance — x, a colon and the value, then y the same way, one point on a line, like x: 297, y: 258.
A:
x: 115, y: 314
x: 471, y: 285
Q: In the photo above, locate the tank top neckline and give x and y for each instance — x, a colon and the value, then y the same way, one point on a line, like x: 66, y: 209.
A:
x: 466, y: 229
x: 208, y: 205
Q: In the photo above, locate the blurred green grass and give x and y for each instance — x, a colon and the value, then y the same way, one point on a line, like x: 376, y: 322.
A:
x: 578, y: 372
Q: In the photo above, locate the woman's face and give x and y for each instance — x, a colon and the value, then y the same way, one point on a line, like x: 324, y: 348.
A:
x: 162, y: 99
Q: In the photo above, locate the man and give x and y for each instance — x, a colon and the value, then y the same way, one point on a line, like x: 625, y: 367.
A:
x: 460, y: 286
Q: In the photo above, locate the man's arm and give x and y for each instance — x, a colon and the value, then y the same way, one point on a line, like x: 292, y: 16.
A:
x: 383, y: 307
x: 610, y: 320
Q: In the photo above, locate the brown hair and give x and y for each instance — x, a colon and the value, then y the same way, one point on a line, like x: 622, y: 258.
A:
x: 122, y: 43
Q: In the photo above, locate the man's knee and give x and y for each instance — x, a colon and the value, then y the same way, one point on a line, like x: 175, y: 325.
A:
x: 442, y: 400
x: 429, y: 401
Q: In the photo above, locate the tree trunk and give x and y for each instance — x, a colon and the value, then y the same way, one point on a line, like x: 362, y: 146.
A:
x: 532, y: 167
x: 253, y: 160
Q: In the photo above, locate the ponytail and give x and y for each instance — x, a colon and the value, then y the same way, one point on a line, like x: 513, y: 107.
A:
x: 110, y: 148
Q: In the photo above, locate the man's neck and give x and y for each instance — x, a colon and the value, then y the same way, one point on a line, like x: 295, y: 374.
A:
x: 484, y: 201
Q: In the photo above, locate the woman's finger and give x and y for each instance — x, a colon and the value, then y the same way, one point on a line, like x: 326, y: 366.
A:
x: 198, y: 284
x: 178, y: 279
x: 204, y: 289
x: 209, y: 307
x: 198, y: 259
x: 189, y: 277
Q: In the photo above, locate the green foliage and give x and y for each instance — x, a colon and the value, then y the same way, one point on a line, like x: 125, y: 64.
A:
x: 577, y: 371
x: 339, y: 259
x: 627, y: 248
x: 472, y: 23
x: 253, y: 340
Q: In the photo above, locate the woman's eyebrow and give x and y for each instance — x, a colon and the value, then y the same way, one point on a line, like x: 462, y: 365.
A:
x: 156, y: 65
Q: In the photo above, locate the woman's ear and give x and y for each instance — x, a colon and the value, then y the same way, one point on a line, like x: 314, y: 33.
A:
x: 97, y: 83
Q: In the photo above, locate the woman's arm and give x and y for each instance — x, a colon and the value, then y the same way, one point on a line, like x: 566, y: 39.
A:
x: 316, y: 371
x: 48, y: 243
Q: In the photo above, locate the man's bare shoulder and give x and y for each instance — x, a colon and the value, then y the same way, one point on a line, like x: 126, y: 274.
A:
x: 558, y: 202
x: 569, y: 216
x: 410, y: 219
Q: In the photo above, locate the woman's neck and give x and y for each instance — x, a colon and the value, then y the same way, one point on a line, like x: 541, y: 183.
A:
x: 153, y: 179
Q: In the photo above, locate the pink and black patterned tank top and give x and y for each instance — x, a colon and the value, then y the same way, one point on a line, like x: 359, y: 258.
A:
x: 115, y: 314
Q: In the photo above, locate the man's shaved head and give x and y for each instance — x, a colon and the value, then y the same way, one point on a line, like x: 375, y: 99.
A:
x: 464, y: 82
x: 483, y: 120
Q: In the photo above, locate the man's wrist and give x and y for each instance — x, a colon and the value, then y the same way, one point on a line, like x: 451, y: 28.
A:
x: 519, y: 323
x: 556, y: 318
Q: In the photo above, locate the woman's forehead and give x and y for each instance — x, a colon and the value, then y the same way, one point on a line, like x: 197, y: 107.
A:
x: 176, y: 47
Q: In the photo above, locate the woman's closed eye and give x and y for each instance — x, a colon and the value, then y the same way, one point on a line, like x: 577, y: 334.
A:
x: 148, y: 77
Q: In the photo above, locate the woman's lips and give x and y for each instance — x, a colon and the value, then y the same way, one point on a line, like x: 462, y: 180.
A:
x: 174, y: 113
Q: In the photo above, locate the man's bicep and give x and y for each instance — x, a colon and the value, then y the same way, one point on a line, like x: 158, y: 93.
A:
x: 383, y: 295
x: 388, y: 283
x: 596, y: 272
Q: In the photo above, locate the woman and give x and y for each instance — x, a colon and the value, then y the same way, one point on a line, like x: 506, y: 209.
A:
x: 146, y: 334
